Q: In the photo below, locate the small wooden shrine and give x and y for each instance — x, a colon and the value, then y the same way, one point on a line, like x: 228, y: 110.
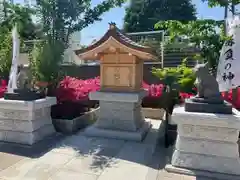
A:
x: 121, y: 60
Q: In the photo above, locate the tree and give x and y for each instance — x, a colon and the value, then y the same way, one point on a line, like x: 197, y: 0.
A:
x: 61, y: 18
x: 207, y: 35
x: 16, y: 14
x: 225, y: 4
x: 222, y: 3
x: 142, y: 15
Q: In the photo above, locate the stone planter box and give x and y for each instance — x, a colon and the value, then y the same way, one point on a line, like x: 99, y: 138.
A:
x: 66, y: 126
x: 153, y: 113
x: 72, y: 126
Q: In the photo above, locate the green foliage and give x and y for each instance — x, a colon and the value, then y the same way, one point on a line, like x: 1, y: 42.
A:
x: 45, y: 60
x: 207, y: 35
x: 16, y: 14
x: 5, y: 52
x: 222, y: 3
x: 62, y: 18
x: 142, y: 15
x: 180, y: 78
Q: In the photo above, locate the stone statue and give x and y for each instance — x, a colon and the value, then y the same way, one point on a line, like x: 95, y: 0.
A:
x: 207, y: 86
x: 24, y: 90
x: 22, y: 78
x: 208, y: 99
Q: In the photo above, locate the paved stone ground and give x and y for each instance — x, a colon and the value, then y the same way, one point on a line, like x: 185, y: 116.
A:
x: 84, y: 158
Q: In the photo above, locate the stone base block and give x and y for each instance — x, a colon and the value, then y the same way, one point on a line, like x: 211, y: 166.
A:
x: 207, y: 141
x: 204, y: 162
x: 26, y: 122
x: 24, y: 126
x: 207, y: 147
x: 191, y: 106
x: 198, y: 173
x: 28, y: 138
x: 23, y: 95
x: 119, y: 111
x: 138, y: 135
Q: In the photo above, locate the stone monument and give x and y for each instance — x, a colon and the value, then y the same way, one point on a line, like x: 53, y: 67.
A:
x: 121, y: 93
x: 208, y: 130
x: 209, y: 98
x: 24, y: 114
x: 24, y: 91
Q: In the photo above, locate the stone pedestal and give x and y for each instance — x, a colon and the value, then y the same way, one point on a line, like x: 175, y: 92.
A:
x: 206, y: 142
x: 26, y: 122
x: 120, y: 116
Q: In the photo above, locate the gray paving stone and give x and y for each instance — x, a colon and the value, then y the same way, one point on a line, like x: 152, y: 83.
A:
x: 7, y: 160
x: 105, y: 142
x: 136, y: 152
x: 46, y: 166
x: 90, y: 165
x: 18, y: 170
x: 66, y: 174
x: 76, y: 145
x: 124, y: 170
x: 83, y: 158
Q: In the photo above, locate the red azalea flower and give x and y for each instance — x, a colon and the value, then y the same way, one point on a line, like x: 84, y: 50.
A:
x: 73, y: 89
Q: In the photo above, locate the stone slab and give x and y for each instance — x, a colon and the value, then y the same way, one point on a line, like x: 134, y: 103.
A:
x: 204, y: 162
x: 207, y: 147
x: 113, y: 116
x: 23, y: 126
x: 198, y: 173
x: 117, y: 96
x: 25, y: 115
x: 27, y: 105
x: 191, y: 106
x: 67, y: 174
x: 180, y: 116
x: 26, y: 137
x: 8, y: 160
x: 157, y: 114
x: 208, y: 132
x: 116, y: 134
x: 124, y: 170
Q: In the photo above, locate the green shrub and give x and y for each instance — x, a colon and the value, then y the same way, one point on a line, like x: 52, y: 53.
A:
x: 180, y: 78
x: 5, y: 52
x: 45, y: 60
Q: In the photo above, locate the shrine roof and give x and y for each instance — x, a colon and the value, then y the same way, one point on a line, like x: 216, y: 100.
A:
x: 119, y: 36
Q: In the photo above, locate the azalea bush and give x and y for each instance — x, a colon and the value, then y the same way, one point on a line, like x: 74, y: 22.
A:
x: 73, y: 89
x: 229, y: 98
x: 3, y: 87
x: 73, y: 101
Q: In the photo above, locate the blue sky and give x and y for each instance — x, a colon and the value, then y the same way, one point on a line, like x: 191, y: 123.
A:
x: 96, y: 30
